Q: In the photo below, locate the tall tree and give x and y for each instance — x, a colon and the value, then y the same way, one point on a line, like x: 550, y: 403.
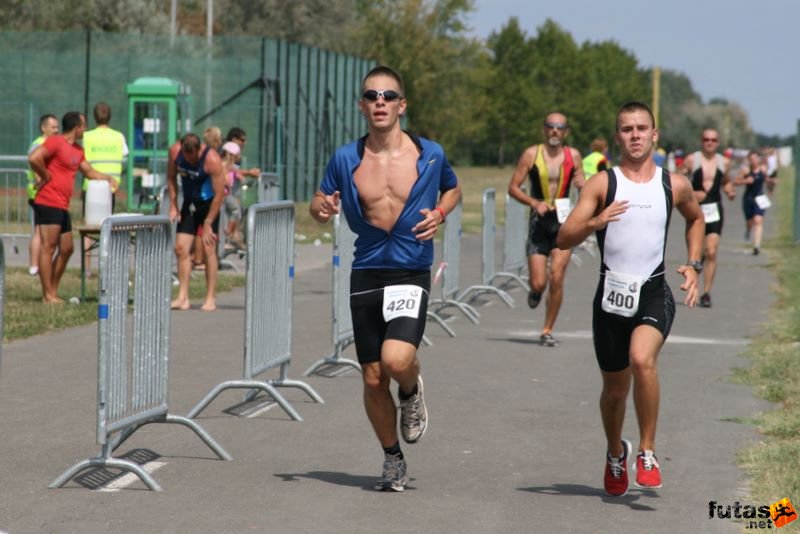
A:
x: 424, y: 41
x: 512, y: 112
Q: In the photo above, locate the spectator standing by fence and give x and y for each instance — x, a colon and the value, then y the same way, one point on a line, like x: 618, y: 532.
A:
x: 106, y: 150
x: 203, y: 183
x: 56, y: 161
x: 48, y: 125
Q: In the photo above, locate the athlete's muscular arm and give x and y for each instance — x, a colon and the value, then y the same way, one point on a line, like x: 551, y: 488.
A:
x: 426, y: 228
x: 213, y: 167
x: 524, y: 166
x: 172, y: 180
x: 579, y: 178
x: 687, y: 205
x: 686, y: 166
x: 728, y: 185
x: 323, y: 207
x: 588, y: 216
x: 93, y: 174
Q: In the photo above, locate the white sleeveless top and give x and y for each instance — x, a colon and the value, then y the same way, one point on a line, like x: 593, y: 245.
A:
x: 635, y: 244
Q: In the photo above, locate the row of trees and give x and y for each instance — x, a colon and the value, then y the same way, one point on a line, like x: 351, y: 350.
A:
x: 483, y: 100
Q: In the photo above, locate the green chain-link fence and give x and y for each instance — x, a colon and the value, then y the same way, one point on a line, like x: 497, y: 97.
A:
x: 296, y: 103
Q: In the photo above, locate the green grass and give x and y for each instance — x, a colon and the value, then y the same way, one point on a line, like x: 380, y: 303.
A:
x: 774, y: 463
x: 26, y: 315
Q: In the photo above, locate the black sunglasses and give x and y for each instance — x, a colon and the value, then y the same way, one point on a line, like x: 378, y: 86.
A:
x: 387, y: 94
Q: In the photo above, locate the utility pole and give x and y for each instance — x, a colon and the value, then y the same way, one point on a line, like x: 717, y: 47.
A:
x: 656, y: 93
x: 173, y: 22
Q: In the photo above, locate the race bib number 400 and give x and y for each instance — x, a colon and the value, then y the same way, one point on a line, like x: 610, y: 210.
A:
x: 401, y: 301
x: 621, y: 293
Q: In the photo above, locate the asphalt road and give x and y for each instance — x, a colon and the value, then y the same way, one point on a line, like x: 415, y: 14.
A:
x: 515, y: 442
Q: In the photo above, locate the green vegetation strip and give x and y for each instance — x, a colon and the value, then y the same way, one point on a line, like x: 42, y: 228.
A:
x: 774, y: 462
x: 26, y: 316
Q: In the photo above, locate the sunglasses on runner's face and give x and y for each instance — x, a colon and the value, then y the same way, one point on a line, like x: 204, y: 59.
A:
x: 710, y: 140
x: 387, y: 94
x: 555, y: 126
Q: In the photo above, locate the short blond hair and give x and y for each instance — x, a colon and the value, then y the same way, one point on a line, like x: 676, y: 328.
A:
x: 213, y: 137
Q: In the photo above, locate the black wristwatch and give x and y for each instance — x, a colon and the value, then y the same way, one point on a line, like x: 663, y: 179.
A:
x: 696, y: 265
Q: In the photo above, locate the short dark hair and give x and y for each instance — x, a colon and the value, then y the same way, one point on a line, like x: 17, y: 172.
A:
x: 236, y: 133
x: 71, y: 120
x: 46, y: 117
x: 190, y: 142
x: 635, y: 105
x: 383, y: 70
x: 102, y: 113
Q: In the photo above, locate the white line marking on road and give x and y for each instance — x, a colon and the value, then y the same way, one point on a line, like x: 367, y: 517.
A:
x: 268, y: 405
x: 586, y: 334
x: 129, y: 478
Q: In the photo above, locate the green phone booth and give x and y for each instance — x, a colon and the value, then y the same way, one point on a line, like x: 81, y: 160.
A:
x: 159, y: 112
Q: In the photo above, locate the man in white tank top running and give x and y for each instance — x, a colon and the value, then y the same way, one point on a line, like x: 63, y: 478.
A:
x: 629, y: 208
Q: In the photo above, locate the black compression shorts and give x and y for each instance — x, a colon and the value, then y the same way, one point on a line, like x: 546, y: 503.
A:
x: 370, y: 329
x: 542, y: 233
x: 49, y: 215
x: 612, y: 333
x: 193, y: 215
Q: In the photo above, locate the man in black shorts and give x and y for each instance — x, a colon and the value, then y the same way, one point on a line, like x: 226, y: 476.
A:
x: 708, y: 170
x: 551, y: 169
x: 629, y: 207
x: 395, y: 189
x: 203, y: 185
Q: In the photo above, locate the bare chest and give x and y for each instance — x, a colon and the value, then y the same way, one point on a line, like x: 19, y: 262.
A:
x: 709, y: 173
x: 553, y: 165
x: 382, y: 178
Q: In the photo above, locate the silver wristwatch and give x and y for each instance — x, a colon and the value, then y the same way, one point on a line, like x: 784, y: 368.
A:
x: 696, y: 265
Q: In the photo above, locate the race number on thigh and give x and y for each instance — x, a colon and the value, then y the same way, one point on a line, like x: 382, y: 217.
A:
x: 763, y: 202
x: 621, y: 293
x: 710, y: 212
x: 401, y: 301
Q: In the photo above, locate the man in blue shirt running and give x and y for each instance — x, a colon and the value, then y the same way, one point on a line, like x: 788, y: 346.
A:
x: 395, y: 189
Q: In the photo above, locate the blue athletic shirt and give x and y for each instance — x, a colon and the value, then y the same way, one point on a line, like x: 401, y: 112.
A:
x: 195, y: 180
x: 398, y: 248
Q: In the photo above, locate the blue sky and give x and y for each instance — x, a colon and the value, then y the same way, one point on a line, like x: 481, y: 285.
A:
x: 746, y: 51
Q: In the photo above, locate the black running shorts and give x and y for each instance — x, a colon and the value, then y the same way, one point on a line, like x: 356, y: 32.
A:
x: 612, y: 333
x: 370, y: 329
x: 542, y: 233
x: 193, y: 215
x: 49, y: 215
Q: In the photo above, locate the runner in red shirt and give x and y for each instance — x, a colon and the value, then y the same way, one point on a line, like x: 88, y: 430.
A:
x: 56, y: 161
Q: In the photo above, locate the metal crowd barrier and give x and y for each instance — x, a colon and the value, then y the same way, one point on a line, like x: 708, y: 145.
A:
x: 343, y: 248
x: 15, y: 213
x: 488, y: 232
x: 450, y: 272
x: 268, y: 307
x: 133, y: 349
x: 515, y: 236
x: 269, y: 187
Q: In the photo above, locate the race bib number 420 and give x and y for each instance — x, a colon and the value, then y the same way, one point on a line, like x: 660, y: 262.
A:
x: 401, y: 301
x: 621, y: 293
